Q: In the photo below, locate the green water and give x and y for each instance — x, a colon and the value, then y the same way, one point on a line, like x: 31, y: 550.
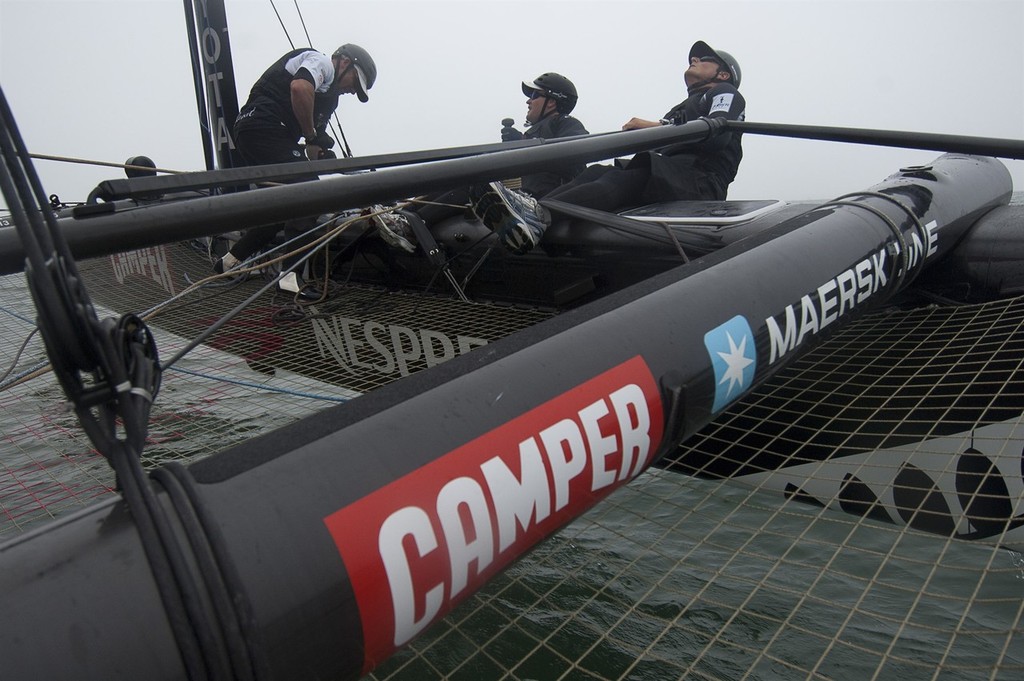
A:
x: 681, y: 578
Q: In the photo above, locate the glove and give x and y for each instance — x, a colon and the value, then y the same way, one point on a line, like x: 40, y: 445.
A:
x: 322, y: 140
x: 510, y: 135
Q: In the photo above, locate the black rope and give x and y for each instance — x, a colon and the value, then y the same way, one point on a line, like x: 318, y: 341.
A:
x: 231, y: 608
x: 110, y: 372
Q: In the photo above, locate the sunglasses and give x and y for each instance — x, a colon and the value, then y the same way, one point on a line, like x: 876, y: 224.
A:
x: 536, y: 94
x: 713, y: 60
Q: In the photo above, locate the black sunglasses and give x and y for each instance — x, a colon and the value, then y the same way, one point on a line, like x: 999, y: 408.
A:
x: 536, y: 94
x: 712, y: 59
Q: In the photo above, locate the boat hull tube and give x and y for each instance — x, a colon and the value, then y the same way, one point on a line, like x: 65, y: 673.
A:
x: 338, y: 539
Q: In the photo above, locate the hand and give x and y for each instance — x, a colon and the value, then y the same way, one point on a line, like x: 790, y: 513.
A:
x: 638, y: 123
x: 322, y: 140
x: 318, y: 145
x: 510, y: 135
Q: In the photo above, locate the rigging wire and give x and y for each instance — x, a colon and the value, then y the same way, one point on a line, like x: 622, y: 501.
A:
x: 345, y: 149
x: 263, y: 386
x: 281, y: 21
x: 302, y: 22
x: 17, y: 355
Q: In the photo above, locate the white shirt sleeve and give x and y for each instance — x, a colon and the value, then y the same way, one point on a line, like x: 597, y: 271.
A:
x: 318, y: 64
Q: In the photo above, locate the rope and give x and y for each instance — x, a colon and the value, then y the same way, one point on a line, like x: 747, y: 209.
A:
x: 260, y: 386
x: 244, y: 269
x: 120, y: 360
x: 420, y: 201
x: 17, y: 355
x: 312, y: 248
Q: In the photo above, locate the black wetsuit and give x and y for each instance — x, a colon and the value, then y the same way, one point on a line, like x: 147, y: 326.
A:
x: 685, y: 171
x: 537, y: 185
x: 552, y: 127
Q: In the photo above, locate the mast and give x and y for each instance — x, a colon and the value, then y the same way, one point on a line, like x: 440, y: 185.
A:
x: 214, y: 78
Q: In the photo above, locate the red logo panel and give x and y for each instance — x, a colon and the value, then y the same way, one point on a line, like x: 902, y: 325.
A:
x: 415, y: 547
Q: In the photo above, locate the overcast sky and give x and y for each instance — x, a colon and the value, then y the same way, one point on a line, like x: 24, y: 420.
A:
x: 108, y: 79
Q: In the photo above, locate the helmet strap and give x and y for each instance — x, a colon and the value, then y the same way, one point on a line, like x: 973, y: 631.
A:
x: 702, y: 84
x: 544, y: 111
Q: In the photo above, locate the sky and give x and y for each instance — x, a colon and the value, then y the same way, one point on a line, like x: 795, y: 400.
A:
x: 104, y: 80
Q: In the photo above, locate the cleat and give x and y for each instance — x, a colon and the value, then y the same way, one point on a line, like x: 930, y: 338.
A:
x: 517, y: 218
x: 395, y: 229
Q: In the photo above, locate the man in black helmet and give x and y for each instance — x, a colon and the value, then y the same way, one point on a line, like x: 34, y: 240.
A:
x: 550, y: 98
x: 687, y: 171
x: 292, y: 100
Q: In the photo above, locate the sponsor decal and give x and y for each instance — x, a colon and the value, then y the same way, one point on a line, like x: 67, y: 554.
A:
x: 147, y: 262
x: 920, y: 251
x: 721, y: 102
x: 417, y: 546
x: 830, y: 301
x: 734, y: 359
x: 840, y: 295
x: 357, y: 345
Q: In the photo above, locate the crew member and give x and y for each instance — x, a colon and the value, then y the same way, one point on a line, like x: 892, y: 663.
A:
x: 550, y: 98
x: 293, y: 100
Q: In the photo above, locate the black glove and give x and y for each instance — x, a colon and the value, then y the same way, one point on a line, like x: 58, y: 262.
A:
x: 322, y: 140
x: 510, y: 135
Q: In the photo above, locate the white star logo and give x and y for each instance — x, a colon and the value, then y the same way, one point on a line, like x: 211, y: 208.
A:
x: 737, y: 361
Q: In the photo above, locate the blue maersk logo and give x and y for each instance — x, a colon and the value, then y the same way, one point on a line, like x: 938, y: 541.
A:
x: 731, y: 348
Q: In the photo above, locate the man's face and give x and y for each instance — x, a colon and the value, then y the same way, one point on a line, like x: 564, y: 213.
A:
x: 702, y: 69
x: 537, y: 105
x: 347, y: 78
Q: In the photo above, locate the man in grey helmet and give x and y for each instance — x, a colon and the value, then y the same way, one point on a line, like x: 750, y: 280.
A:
x: 550, y: 98
x: 292, y: 100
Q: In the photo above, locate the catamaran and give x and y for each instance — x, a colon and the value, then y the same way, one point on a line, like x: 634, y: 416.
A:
x: 499, y: 397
